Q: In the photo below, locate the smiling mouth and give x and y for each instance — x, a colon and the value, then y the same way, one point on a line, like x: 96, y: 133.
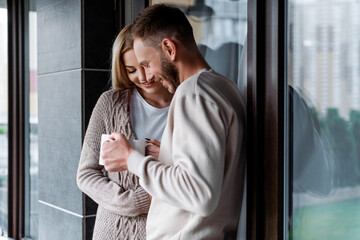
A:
x: 148, y: 84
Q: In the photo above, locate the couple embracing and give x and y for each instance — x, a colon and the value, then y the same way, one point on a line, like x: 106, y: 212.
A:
x: 190, y: 185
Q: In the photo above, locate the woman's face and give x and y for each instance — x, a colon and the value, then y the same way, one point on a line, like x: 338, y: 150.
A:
x: 136, y: 73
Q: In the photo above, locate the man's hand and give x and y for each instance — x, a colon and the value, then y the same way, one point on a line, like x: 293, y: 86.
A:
x: 115, y: 153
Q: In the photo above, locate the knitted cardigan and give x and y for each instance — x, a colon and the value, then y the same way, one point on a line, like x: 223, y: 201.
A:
x: 122, y: 204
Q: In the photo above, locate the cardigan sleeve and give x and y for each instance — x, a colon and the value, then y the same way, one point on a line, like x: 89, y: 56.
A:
x: 193, y: 182
x: 91, y: 178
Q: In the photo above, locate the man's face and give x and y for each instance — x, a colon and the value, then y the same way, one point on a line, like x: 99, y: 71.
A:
x: 156, y: 66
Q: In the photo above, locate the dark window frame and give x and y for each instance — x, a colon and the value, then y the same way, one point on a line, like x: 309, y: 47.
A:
x: 267, y: 86
x: 16, y: 133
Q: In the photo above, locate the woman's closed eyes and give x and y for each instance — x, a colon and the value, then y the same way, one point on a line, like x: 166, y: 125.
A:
x: 130, y: 70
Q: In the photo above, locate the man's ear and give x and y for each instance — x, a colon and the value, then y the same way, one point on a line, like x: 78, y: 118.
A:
x: 169, y: 48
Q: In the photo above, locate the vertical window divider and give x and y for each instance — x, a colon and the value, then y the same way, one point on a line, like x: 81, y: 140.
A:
x: 266, y: 98
x: 16, y: 119
x: 255, y: 181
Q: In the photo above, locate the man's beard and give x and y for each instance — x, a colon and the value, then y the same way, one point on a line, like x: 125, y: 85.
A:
x: 169, y: 72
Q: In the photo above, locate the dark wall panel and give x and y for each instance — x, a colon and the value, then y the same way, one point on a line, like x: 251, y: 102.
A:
x: 99, y: 33
x: 89, y: 227
x: 95, y: 83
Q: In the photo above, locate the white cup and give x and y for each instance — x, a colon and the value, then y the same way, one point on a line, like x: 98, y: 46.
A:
x: 138, y: 145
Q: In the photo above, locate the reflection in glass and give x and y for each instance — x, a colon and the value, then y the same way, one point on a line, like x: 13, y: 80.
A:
x: 324, y: 119
x: 3, y: 120
x: 220, y: 29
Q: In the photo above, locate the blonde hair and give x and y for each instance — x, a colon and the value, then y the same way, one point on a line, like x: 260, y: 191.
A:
x: 122, y: 43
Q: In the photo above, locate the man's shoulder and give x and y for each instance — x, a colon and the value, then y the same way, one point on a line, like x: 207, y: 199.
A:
x: 204, y: 79
x: 211, y: 86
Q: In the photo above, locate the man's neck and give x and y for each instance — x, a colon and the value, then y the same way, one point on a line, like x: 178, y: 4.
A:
x: 191, y: 65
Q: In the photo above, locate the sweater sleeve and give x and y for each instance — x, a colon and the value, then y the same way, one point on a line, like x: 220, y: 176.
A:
x: 91, y: 179
x: 194, y: 181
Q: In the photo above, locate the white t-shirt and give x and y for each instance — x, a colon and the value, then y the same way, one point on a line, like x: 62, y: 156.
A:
x: 146, y: 121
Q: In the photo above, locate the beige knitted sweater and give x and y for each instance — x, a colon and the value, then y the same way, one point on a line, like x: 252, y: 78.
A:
x: 123, y: 204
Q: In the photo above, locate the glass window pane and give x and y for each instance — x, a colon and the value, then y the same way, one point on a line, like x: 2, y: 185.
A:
x: 324, y: 119
x: 33, y: 121
x: 3, y: 120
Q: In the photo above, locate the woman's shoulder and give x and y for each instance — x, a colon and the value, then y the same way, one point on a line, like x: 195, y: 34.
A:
x: 116, y: 95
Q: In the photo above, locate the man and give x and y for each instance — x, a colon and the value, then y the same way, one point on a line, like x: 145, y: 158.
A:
x: 197, y: 183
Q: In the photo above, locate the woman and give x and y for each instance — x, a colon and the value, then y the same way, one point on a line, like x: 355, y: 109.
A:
x: 137, y: 109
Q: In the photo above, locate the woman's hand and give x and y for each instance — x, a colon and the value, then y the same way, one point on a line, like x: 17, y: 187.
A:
x: 152, y: 149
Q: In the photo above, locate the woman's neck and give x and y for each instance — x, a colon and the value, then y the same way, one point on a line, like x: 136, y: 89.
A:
x: 160, y: 99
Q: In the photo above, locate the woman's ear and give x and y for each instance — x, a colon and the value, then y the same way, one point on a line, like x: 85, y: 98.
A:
x: 169, y: 48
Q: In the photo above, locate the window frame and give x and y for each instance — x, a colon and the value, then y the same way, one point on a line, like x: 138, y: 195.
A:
x: 16, y: 132
x: 266, y: 98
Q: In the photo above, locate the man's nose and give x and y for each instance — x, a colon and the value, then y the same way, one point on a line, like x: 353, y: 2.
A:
x: 142, y: 76
x: 149, y: 75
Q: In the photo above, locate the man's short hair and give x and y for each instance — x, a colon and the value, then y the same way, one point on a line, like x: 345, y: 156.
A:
x: 161, y: 21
